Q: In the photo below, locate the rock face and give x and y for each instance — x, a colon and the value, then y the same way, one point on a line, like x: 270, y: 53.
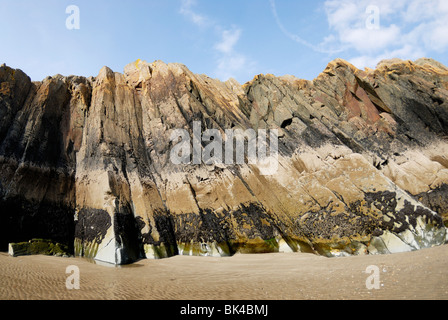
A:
x: 362, y: 164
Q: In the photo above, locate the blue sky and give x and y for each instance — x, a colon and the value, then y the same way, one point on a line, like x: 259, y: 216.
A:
x: 222, y: 39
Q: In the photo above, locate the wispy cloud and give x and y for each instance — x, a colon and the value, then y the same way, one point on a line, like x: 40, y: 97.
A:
x: 230, y: 63
x: 229, y: 39
x: 327, y: 46
x: 187, y: 10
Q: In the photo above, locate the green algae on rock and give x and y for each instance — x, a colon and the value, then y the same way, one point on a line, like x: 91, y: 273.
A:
x: 38, y: 247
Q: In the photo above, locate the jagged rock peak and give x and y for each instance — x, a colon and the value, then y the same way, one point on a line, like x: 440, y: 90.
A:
x: 361, y: 168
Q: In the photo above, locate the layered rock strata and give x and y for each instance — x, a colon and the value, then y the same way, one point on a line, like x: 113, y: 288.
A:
x: 363, y: 162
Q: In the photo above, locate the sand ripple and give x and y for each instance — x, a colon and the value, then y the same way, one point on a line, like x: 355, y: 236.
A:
x: 416, y: 275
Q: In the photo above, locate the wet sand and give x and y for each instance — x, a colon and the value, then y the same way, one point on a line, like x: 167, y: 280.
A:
x: 416, y: 275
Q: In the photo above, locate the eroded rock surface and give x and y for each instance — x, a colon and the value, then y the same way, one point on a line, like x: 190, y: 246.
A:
x: 363, y: 162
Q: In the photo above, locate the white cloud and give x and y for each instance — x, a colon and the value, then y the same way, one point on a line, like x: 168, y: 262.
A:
x: 341, y: 14
x: 365, y: 40
x: 438, y: 38
x: 408, y: 29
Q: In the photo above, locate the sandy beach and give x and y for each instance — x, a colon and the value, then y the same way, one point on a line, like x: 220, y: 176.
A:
x: 416, y: 275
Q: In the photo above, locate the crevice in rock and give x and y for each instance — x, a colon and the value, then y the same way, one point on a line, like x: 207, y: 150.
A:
x: 286, y: 123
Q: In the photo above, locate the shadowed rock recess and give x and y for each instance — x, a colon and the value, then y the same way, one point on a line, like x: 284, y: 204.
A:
x: 363, y: 162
